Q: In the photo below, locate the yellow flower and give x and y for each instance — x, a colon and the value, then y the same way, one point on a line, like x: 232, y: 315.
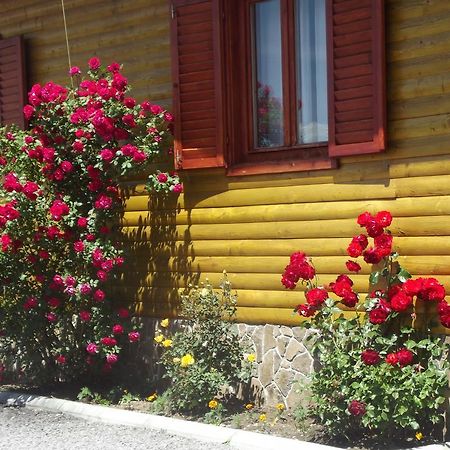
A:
x: 165, y: 323
x: 152, y: 397
x: 159, y: 338
x: 213, y: 404
x: 280, y: 407
x: 249, y: 406
x: 419, y: 436
x: 262, y: 417
x: 167, y: 343
x: 251, y: 357
x: 187, y: 360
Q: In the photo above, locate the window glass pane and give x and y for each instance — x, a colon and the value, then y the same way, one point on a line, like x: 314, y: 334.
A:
x: 311, y: 61
x: 267, y: 89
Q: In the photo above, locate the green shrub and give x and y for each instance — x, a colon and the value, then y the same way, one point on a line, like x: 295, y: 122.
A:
x: 205, y: 359
x: 381, y: 368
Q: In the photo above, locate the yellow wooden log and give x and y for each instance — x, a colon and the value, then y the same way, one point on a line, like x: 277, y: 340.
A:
x: 406, y: 246
x: 409, y: 10
x: 433, y: 85
x: 402, y: 207
x: 420, y: 106
x: 439, y: 265
x: 414, y: 69
x: 402, y: 187
x: 247, y: 281
x: 408, y: 147
x: 215, y: 180
x: 403, y: 226
x: 419, y: 47
x: 425, y: 26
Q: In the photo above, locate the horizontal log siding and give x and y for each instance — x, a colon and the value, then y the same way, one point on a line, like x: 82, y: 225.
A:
x: 136, y: 34
x: 250, y: 225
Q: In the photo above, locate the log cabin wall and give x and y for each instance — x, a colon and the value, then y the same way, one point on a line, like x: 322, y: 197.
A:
x: 250, y: 225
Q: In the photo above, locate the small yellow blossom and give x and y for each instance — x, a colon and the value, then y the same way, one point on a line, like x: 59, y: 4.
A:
x: 165, y: 323
x: 159, y: 338
x: 167, y: 343
x: 249, y: 406
x: 419, y: 436
x: 176, y: 360
x: 187, y: 360
x: 152, y: 397
x: 251, y: 357
x: 280, y: 407
x: 213, y: 404
x: 262, y: 417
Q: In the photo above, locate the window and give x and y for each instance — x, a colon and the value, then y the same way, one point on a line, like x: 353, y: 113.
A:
x: 289, y: 100
x: 12, y: 81
x: 277, y: 85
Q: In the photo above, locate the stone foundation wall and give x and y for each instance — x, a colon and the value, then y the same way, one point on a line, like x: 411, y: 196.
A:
x: 282, y: 359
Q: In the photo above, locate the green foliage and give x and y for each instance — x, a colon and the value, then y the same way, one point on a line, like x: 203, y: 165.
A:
x: 206, y: 358
x: 395, y: 397
x: 381, y: 368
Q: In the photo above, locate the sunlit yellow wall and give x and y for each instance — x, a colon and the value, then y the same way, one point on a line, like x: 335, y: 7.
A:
x: 250, y: 225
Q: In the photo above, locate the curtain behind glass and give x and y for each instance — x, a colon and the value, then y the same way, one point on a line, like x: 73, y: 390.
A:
x: 311, y: 71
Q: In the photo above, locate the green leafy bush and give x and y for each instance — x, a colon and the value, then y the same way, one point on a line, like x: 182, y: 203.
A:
x: 381, y: 368
x: 206, y: 357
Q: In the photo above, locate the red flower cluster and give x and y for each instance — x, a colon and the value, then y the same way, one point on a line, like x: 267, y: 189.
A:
x: 375, y: 226
x: 402, y: 357
x: 342, y: 287
x: 298, y: 268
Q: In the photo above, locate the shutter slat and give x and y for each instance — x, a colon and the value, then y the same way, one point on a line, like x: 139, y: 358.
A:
x: 357, y: 94
x: 12, y: 81
x: 193, y: 49
x: 358, y: 125
x: 198, y: 84
x: 349, y: 116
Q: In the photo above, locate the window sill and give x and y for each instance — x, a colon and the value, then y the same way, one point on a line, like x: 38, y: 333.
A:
x: 293, y: 165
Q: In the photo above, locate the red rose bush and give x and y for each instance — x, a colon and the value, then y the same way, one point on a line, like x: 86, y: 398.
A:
x: 380, y: 366
x: 60, y: 190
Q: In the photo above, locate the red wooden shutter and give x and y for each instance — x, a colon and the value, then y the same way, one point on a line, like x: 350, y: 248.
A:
x: 12, y: 81
x: 357, y: 87
x: 198, y: 83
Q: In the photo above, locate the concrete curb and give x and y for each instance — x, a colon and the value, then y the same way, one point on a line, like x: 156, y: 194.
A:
x: 238, y: 439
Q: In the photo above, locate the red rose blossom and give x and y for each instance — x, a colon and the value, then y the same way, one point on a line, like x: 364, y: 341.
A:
x: 94, y: 63
x: 353, y: 266
x: 357, y: 408
x: 316, y: 296
x: 134, y: 336
x: 364, y: 218
x: 370, y: 357
x: 383, y: 218
x: 392, y: 359
x: 378, y: 316
x: 405, y: 357
x: 400, y: 302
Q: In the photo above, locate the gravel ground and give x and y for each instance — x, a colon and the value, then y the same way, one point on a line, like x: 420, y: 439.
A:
x: 28, y: 428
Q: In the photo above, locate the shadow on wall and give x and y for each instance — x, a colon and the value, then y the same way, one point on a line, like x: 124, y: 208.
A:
x: 157, y: 259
